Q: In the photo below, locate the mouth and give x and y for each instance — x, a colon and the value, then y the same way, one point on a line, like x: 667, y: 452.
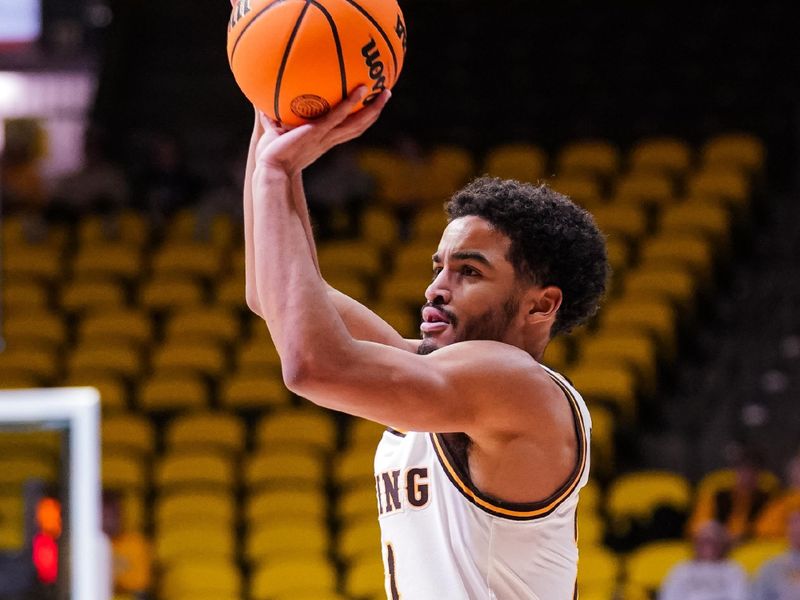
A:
x: 433, y: 320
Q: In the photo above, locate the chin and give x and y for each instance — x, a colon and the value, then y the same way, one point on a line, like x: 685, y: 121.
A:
x: 427, y: 346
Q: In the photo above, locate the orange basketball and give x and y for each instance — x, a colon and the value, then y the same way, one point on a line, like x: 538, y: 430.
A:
x: 296, y: 59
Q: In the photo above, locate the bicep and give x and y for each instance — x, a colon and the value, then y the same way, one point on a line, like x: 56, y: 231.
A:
x: 451, y: 389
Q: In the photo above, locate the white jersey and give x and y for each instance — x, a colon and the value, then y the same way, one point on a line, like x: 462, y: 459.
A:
x: 443, y: 539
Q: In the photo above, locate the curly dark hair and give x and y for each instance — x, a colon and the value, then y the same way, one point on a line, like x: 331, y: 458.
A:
x: 553, y: 241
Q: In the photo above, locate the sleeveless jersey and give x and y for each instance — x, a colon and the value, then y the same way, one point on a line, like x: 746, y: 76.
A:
x: 442, y: 539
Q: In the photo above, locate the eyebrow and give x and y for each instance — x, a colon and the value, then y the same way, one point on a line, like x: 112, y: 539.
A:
x: 466, y: 255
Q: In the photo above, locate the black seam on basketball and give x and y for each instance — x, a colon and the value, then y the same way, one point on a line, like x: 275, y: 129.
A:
x: 385, y: 37
x: 249, y: 23
x: 285, y: 58
x: 338, y: 42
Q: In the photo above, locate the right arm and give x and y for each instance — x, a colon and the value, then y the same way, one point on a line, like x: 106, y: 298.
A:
x: 361, y: 322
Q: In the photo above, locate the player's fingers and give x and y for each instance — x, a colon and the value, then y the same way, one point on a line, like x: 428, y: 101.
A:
x: 345, y: 107
x: 355, y: 124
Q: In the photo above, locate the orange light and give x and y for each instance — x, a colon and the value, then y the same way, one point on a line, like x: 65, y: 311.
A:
x: 48, y: 517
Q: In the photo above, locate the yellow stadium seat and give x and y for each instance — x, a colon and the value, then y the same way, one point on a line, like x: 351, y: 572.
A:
x: 636, y: 348
x: 306, y: 427
x: 358, y: 502
x: 181, y: 509
x: 628, y: 221
x: 591, y: 528
x: 355, y: 257
x: 619, y: 255
x: 637, y: 495
x: 187, y: 259
x: 350, y: 285
x: 612, y: 384
x: 648, y: 565
x: 20, y: 296
x: 270, y: 540
x: 21, y: 381
x: 284, y: 468
x: 128, y: 432
x: 196, y: 469
x: 591, y: 496
x: 169, y: 292
x: 752, y: 554
x: 25, y: 262
x: 31, y: 231
x: 598, y: 568
x: 365, y: 577
x: 124, y: 471
x: 34, y: 328
x: 670, y: 156
x: 447, y: 168
x: 91, y: 294
x: 113, y: 391
x: 12, y: 525
x: 427, y: 230
x: 107, y: 259
x: 404, y: 290
x: 311, y: 596
x: 557, y: 354
x: 379, y: 227
x: 653, y: 315
x: 292, y: 577
x: 354, y: 465
x: 230, y: 293
x: 45, y: 445
x: 415, y: 258
x: 206, y: 430
x: 364, y: 433
x: 253, y: 390
x: 523, y: 162
x: 195, y: 357
x: 725, y: 478
x: 132, y: 325
x: 581, y: 189
x: 43, y: 365
x: 191, y: 226
x: 129, y: 227
x: 597, y: 158
x: 166, y: 392
x: 737, y: 150
x: 203, y: 324
x: 682, y: 249
x: 704, y: 218
x: 675, y: 284
x: 644, y: 189
x: 400, y: 317
x: 195, y: 542
x: 729, y: 185
x: 359, y: 538
x: 202, y: 579
x: 258, y: 354
x: 276, y: 505
x: 118, y: 360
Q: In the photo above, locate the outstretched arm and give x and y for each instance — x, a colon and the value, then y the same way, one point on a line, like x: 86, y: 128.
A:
x: 361, y: 322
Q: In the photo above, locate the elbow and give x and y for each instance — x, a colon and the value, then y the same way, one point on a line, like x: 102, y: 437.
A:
x: 299, y: 375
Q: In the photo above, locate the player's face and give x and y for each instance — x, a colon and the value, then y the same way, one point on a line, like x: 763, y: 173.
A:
x: 474, y: 292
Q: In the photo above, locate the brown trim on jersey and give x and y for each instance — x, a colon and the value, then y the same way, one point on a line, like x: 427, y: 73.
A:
x: 517, y: 511
x: 396, y: 432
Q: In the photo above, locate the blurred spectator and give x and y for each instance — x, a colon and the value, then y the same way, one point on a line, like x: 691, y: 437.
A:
x: 709, y: 575
x: 98, y: 187
x: 774, y: 517
x: 21, y: 183
x: 779, y: 578
x: 336, y: 184
x: 166, y: 184
x: 132, y: 559
x: 738, y: 506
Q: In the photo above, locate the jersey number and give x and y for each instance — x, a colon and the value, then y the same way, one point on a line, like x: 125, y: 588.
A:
x: 390, y: 568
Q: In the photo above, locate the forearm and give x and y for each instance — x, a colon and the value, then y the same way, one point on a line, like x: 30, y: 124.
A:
x: 288, y: 281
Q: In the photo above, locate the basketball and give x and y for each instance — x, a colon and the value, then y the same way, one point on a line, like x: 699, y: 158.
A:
x: 297, y: 59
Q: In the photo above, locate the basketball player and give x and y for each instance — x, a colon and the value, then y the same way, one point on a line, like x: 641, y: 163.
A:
x: 479, y: 472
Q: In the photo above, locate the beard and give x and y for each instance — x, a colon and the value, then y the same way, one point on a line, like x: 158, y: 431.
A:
x: 490, y: 325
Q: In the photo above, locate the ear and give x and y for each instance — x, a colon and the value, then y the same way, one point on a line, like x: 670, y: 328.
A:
x: 543, y: 304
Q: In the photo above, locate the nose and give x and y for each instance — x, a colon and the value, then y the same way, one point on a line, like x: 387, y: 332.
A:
x: 438, y: 292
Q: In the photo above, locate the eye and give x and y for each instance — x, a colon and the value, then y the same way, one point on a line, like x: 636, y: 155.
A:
x: 436, y: 271
x: 468, y: 271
